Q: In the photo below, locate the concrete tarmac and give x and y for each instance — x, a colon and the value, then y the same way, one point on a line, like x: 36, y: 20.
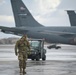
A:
x: 58, y: 62
x: 47, y: 67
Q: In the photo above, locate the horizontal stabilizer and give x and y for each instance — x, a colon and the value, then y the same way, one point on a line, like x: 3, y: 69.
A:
x: 15, y: 30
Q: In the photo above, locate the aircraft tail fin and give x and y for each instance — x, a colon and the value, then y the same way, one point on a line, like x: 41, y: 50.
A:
x: 23, y: 17
x: 72, y: 17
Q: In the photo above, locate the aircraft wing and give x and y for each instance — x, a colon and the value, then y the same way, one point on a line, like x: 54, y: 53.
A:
x: 12, y: 30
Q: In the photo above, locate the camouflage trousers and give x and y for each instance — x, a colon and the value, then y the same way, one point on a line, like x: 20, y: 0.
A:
x: 22, y: 57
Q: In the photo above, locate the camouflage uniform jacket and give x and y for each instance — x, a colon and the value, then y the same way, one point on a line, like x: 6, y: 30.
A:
x: 21, y: 49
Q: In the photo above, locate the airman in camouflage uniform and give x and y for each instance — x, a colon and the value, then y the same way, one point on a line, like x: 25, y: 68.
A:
x: 21, y: 48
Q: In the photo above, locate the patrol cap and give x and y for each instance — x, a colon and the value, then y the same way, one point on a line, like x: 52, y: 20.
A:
x: 24, y: 36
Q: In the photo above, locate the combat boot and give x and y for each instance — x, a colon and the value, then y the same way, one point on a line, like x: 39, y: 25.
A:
x: 20, y: 70
x: 24, y: 71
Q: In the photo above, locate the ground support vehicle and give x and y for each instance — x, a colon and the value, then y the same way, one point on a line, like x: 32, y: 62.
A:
x: 37, y: 50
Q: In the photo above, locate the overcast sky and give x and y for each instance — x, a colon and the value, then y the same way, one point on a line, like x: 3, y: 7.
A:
x: 46, y: 12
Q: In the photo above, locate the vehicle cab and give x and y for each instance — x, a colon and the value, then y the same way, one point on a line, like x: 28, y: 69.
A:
x: 37, y: 50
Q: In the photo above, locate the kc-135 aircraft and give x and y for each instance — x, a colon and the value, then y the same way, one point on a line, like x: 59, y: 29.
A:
x: 26, y: 24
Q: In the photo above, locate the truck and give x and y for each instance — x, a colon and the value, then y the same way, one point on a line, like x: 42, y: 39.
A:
x: 37, y: 50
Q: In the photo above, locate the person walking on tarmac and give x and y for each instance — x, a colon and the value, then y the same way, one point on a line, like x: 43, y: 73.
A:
x: 21, y: 48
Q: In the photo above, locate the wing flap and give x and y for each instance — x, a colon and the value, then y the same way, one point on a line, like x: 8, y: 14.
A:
x: 15, y: 31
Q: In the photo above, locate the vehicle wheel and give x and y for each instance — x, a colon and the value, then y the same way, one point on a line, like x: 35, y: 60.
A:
x: 37, y: 58
x: 44, y: 58
x: 32, y: 59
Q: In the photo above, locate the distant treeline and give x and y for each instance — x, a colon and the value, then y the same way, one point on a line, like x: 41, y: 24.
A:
x: 11, y: 40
